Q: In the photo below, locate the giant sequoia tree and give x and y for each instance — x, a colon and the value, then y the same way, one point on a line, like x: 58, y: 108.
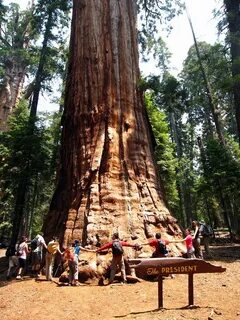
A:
x: 107, y: 179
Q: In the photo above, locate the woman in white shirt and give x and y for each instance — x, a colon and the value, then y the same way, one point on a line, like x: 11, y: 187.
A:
x: 22, y: 252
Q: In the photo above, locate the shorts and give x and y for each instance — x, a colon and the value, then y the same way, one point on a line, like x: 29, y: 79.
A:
x: 22, y: 263
x: 36, y: 258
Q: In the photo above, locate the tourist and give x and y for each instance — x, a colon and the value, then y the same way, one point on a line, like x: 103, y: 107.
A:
x: 22, y: 251
x: 117, y: 256
x: 52, y: 249
x: 160, y: 246
x: 189, y: 243
x: 206, y: 233
x: 72, y: 260
x: 12, y: 260
x: 197, y: 240
x: 37, y: 245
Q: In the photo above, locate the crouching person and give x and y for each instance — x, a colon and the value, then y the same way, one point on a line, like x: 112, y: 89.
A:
x: 12, y: 261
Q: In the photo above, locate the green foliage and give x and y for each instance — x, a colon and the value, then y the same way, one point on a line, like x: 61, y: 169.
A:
x: 152, y: 16
x: 164, y: 152
x: 28, y: 151
x: 216, y: 63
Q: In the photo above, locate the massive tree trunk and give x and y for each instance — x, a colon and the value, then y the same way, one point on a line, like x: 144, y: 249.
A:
x: 108, y: 180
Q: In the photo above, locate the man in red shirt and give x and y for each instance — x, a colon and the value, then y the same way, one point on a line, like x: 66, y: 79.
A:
x: 117, y: 259
x: 160, y: 246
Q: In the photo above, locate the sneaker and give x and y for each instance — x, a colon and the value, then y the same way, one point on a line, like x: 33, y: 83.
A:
x: 18, y: 277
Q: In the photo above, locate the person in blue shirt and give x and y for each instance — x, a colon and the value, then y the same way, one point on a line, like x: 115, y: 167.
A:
x: 77, y: 248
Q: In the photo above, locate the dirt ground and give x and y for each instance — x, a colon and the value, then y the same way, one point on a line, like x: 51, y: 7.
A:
x: 216, y: 296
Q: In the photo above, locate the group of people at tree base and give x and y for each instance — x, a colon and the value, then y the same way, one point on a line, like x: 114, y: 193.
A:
x: 19, y: 253
x: 71, y: 253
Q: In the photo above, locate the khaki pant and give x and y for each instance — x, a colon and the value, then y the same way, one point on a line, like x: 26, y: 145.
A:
x: 117, y: 261
x: 49, y: 260
x: 197, y: 247
x: 206, y: 241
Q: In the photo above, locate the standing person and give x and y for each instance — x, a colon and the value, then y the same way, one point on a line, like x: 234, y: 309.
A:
x: 197, y: 240
x: 12, y: 260
x: 160, y: 246
x: 72, y: 260
x: 22, y: 251
x: 77, y: 248
x: 52, y: 249
x: 189, y: 243
x: 206, y: 233
x: 37, y: 245
x: 71, y: 254
x: 117, y: 256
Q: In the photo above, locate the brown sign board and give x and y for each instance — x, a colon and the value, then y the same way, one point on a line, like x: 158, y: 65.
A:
x: 165, y: 266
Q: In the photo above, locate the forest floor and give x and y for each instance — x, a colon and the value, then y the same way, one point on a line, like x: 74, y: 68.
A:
x: 216, y: 296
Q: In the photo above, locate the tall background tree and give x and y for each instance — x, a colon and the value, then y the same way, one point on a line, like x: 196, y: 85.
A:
x: 15, y: 36
x: 233, y: 18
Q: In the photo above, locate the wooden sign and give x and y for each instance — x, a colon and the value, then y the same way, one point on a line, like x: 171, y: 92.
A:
x: 165, y: 266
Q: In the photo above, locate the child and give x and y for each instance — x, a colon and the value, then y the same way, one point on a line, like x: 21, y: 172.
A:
x: 73, y: 266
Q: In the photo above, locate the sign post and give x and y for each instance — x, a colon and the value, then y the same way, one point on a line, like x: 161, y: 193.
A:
x: 165, y: 266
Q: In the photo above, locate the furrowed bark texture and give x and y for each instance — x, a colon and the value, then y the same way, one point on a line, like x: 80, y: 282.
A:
x: 108, y: 179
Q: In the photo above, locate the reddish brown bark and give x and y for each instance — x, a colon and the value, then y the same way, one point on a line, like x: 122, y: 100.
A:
x: 108, y: 179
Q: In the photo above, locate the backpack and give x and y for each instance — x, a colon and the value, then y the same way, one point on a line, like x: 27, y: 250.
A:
x: 162, y: 248
x: 10, y: 251
x: 206, y: 230
x: 117, y: 248
x: 52, y: 247
x: 34, y: 244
